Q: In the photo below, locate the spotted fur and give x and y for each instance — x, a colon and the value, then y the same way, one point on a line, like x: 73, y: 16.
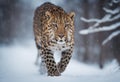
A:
x: 54, y: 31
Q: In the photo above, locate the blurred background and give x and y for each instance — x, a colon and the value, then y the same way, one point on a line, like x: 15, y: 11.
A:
x: 16, y: 26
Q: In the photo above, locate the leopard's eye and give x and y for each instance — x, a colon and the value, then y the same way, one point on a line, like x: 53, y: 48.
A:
x: 55, y: 25
x: 67, y: 25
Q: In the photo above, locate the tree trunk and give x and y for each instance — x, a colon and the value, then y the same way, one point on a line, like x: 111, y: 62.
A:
x: 86, y: 41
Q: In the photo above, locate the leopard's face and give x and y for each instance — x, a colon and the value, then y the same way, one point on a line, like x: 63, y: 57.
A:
x: 61, y: 28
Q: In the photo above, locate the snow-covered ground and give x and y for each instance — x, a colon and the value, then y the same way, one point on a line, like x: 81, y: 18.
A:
x: 17, y: 65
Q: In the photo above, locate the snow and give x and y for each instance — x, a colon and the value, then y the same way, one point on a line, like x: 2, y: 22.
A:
x: 17, y: 65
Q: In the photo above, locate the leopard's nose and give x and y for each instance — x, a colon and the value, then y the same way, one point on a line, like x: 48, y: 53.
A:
x: 61, y: 35
x: 61, y: 40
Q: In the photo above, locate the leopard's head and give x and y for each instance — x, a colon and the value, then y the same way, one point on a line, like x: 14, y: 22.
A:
x: 61, y: 27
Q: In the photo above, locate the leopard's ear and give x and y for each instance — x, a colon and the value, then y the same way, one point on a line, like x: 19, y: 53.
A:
x: 71, y: 14
x: 48, y: 14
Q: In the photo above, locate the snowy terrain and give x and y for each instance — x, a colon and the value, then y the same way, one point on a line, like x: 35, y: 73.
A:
x: 17, y: 65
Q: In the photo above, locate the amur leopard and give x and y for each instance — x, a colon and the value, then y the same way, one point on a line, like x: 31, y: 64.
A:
x: 53, y: 31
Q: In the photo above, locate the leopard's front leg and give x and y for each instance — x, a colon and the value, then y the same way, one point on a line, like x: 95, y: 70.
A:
x: 52, y: 69
x: 66, y: 56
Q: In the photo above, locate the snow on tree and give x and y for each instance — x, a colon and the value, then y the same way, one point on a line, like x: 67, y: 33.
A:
x: 111, y: 15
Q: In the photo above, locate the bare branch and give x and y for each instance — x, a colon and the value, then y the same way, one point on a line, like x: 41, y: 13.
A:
x: 115, y: 11
x: 98, y: 21
x: 99, y: 29
x: 89, y: 20
x: 106, y: 18
x: 111, y: 15
x: 111, y: 36
x: 115, y: 1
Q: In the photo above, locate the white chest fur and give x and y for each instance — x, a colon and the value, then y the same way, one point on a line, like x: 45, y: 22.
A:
x: 57, y: 51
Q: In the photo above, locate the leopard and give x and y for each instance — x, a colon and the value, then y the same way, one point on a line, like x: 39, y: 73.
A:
x: 53, y: 31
